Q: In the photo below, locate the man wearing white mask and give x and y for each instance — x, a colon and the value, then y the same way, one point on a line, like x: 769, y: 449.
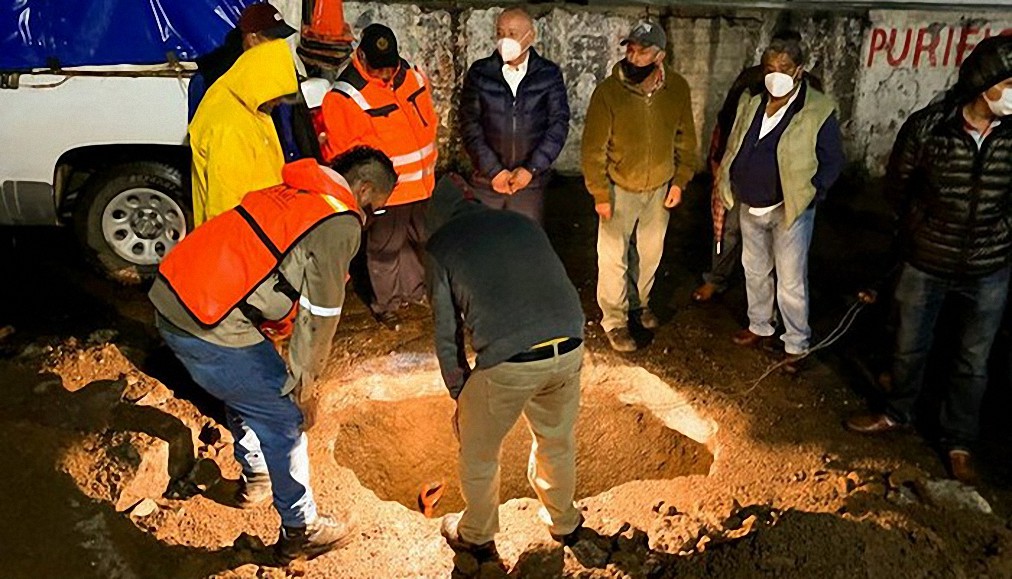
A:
x: 514, y: 119
x: 950, y: 178
x: 784, y: 153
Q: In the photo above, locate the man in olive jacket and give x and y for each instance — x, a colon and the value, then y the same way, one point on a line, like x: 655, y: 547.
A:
x: 639, y: 152
x: 950, y: 178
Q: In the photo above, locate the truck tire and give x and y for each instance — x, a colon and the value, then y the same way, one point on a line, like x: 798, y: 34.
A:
x: 129, y: 216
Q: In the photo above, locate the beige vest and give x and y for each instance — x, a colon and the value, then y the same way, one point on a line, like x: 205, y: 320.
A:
x: 795, y: 151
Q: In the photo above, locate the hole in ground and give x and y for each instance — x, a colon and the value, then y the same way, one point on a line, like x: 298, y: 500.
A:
x: 396, y: 447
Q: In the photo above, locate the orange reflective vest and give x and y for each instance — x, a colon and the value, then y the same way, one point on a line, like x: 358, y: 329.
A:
x: 396, y: 118
x: 215, y: 268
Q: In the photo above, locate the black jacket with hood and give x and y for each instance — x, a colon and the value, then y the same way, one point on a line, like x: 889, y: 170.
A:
x: 954, y: 200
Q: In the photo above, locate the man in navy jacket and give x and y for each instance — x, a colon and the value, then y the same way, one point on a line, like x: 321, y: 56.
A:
x: 514, y: 118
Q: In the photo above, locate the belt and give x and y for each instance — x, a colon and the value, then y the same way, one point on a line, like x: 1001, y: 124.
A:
x: 545, y: 352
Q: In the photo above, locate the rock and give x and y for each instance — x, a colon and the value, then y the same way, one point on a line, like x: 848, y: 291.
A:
x: 492, y: 570
x: 35, y: 351
x: 102, y: 336
x: 144, y: 508
x: 142, y: 465
x: 465, y: 564
x: 902, y: 496
x: 6, y: 332
x: 672, y: 511
x: 589, y: 554
x: 905, y: 475
x: 746, y: 527
x: 952, y: 493
x: 205, y: 474
x: 874, y: 488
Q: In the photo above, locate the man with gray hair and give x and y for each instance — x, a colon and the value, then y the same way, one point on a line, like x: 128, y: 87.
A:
x: 639, y: 152
x: 784, y: 153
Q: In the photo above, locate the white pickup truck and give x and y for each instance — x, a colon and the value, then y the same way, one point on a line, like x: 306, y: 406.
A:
x: 102, y: 149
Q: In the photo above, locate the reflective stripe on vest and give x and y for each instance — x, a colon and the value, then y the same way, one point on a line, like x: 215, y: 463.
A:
x: 221, y: 263
x: 352, y: 93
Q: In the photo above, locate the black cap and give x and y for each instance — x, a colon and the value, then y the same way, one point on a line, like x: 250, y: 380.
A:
x: 647, y: 34
x: 379, y: 45
x: 262, y: 18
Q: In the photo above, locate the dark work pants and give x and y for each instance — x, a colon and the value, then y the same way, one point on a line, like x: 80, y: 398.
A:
x: 529, y: 201
x: 980, y: 302
x: 726, y: 263
x: 393, y: 251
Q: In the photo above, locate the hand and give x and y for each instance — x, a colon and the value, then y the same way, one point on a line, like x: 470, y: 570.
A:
x: 501, y: 183
x: 674, y: 197
x: 603, y: 210
x: 306, y: 401
x: 520, y: 178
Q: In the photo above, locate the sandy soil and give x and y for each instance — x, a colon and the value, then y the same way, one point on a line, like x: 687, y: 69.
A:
x: 778, y: 489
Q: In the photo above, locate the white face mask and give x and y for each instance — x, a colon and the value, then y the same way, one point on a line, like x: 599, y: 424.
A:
x: 1003, y: 106
x: 779, y: 84
x: 510, y: 49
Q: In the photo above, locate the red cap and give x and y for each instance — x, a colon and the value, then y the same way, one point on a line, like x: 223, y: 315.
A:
x: 264, y: 19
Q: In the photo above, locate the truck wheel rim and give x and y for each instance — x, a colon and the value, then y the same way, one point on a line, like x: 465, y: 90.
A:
x: 141, y: 225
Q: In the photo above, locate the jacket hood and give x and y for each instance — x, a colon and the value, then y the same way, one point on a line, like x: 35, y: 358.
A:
x: 988, y: 64
x: 263, y: 73
x: 307, y: 175
x: 450, y: 199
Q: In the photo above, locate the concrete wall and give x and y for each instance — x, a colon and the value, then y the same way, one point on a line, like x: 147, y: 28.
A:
x: 878, y: 80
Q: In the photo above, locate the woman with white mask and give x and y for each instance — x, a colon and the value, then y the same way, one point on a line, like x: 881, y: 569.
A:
x: 783, y: 154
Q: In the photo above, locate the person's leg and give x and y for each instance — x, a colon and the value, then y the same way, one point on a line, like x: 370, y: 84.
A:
x: 487, y: 408
x: 411, y: 271
x: 727, y: 262
x: 612, y: 259
x: 529, y: 202
x: 790, y: 255
x: 246, y: 447
x: 386, y: 239
x: 757, y: 261
x: 551, y: 415
x: 919, y: 297
x: 249, y: 381
x: 980, y: 304
x: 650, y: 231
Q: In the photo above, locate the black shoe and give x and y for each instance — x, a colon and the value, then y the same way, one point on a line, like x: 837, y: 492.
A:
x: 389, y: 320
x: 572, y: 537
x: 482, y: 552
x: 253, y: 491
x: 321, y: 536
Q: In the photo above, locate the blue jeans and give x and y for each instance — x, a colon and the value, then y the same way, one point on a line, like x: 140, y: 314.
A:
x: 768, y: 245
x: 267, y: 427
x: 980, y: 304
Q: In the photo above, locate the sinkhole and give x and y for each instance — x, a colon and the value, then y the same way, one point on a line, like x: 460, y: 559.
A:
x: 396, y: 445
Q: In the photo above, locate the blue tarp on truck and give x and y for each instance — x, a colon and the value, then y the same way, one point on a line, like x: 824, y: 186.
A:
x: 48, y: 33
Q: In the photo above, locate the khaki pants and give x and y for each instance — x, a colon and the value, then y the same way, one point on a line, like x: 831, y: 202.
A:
x: 547, y: 394
x: 619, y: 266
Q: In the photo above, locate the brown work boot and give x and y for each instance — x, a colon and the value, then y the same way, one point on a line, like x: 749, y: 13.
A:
x: 621, y: 340
x: 704, y: 293
x: 745, y: 337
x: 482, y: 552
x: 253, y: 490
x: 961, y: 466
x: 572, y: 537
x: 321, y: 536
x: 873, y: 424
x: 794, y: 364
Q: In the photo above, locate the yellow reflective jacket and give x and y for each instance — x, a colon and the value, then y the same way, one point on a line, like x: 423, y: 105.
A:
x: 235, y: 145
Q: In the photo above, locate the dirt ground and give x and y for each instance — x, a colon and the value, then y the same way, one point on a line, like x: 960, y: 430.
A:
x: 115, y: 465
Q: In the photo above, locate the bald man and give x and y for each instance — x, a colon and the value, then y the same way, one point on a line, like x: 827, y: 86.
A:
x: 514, y: 117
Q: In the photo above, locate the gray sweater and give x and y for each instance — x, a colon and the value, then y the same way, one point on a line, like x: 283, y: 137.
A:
x: 494, y: 273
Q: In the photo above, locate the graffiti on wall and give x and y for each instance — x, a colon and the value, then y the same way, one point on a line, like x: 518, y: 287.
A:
x: 935, y: 45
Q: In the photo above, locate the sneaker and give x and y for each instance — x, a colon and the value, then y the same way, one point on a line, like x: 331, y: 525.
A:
x: 648, y: 320
x: 572, y: 537
x: 321, y: 536
x: 482, y: 552
x: 621, y: 340
x: 253, y: 491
